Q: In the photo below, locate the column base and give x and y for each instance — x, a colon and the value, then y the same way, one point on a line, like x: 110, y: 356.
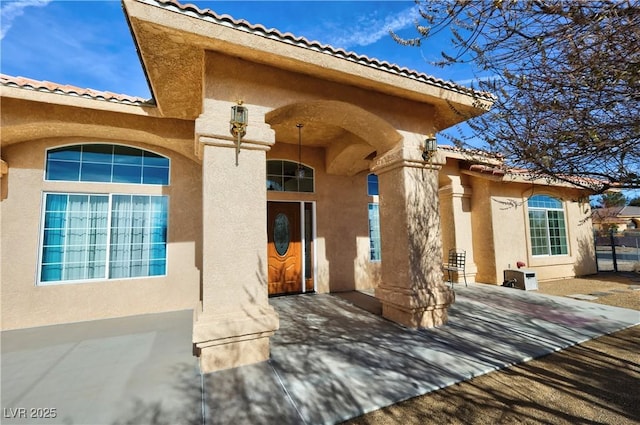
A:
x: 232, y: 340
x: 423, y: 308
x: 232, y: 354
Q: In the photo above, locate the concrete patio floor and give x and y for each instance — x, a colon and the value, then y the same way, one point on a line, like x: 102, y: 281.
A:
x: 330, y: 360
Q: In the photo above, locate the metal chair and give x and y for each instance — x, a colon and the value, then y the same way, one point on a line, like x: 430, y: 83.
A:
x: 455, y: 264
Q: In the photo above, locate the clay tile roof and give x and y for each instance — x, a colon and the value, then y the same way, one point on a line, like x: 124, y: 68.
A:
x: 48, y: 87
x: 274, y: 34
x: 472, y: 152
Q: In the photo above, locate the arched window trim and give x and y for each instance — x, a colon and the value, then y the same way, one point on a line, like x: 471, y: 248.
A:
x: 123, y: 145
x: 282, y: 175
x: 545, y: 195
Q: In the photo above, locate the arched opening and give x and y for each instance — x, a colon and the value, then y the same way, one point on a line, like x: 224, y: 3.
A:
x: 351, y: 136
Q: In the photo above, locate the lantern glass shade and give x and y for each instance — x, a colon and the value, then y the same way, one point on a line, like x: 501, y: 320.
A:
x: 430, y: 144
x: 239, y: 119
x: 239, y: 115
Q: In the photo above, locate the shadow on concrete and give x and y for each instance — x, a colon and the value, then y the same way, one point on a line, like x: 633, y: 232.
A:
x: 330, y: 360
x: 591, y: 383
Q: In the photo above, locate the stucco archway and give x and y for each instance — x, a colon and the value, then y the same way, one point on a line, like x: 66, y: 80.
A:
x: 24, y: 123
x: 350, y: 135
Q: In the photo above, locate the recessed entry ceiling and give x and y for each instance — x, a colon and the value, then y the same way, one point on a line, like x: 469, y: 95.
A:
x: 327, y: 122
x: 314, y: 133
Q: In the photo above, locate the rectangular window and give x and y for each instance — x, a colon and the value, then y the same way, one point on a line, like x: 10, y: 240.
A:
x: 557, y: 233
x: 374, y: 233
x: 372, y: 185
x: 539, y: 234
x: 90, y: 237
x: 548, y: 232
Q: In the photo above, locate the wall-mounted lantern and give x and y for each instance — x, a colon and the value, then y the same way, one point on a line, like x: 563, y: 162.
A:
x: 430, y: 148
x: 238, y: 124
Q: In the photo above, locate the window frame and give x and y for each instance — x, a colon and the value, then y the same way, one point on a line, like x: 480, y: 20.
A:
x: 544, y: 211
x: 373, y: 183
x: 141, y: 240
x: 113, y: 145
x: 282, y: 175
x: 373, y: 246
x: 375, y: 243
x: 108, y: 243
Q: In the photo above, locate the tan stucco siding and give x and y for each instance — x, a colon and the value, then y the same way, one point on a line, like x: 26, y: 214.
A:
x: 512, y: 234
x: 509, y: 232
x: 233, y: 79
x: 24, y: 304
x: 581, y: 258
x: 447, y: 222
x: 32, y: 119
x: 482, y: 223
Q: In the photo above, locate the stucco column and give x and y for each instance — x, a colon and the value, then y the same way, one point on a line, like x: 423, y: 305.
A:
x: 458, y: 196
x: 412, y: 291
x: 234, y: 322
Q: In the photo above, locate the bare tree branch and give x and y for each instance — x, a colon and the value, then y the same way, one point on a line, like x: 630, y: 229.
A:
x: 567, y: 83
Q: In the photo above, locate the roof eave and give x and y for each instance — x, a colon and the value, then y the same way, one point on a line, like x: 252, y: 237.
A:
x: 165, y: 28
x: 80, y: 100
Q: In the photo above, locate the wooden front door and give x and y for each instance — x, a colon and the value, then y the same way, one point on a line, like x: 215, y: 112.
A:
x: 284, y: 247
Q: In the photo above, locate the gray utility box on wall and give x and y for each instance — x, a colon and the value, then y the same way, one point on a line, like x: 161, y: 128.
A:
x: 523, y: 279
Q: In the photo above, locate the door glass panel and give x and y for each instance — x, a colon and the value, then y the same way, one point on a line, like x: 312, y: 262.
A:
x: 281, y: 234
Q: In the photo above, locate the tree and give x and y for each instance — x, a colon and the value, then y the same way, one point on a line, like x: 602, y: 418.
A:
x: 634, y: 202
x: 566, y: 76
x: 612, y: 199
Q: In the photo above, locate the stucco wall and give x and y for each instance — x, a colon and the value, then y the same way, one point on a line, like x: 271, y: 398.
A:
x: 24, y: 304
x: 482, y: 224
x: 500, y: 227
x: 511, y: 232
x: 273, y: 88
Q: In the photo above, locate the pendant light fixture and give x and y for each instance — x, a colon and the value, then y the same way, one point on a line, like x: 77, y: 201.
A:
x: 300, y: 170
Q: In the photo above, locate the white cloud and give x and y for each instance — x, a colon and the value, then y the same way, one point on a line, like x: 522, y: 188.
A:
x: 368, y: 29
x: 10, y: 10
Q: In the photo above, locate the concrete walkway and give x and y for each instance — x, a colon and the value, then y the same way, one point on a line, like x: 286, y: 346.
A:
x: 330, y: 361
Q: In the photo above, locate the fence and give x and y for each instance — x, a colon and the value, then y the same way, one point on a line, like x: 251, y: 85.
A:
x: 618, y: 252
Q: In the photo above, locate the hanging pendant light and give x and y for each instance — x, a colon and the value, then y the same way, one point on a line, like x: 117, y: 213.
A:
x: 300, y: 170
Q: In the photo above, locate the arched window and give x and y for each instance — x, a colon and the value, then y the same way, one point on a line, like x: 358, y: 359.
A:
x: 103, y: 235
x: 547, y: 227
x: 285, y: 176
x: 103, y: 163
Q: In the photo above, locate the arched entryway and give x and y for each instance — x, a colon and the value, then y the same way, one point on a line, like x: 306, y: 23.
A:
x: 337, y: 141
x: 350, y: 135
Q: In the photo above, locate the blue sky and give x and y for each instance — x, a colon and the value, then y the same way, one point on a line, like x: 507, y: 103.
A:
x: 88, y: 43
